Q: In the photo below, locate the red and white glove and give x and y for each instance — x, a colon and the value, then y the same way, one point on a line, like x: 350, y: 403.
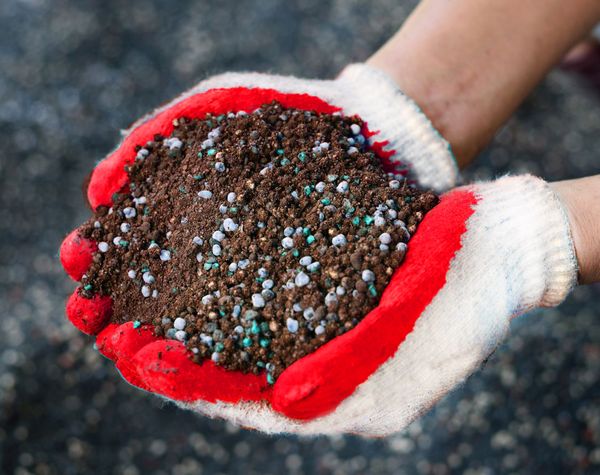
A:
x: 486, y: 253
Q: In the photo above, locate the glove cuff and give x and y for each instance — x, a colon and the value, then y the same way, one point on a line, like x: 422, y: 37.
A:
x: 400, y: 121
x: 531, y: 227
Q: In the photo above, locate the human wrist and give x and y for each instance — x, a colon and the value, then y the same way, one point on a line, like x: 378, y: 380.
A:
x: 581, y: 199
x: 469, y: 81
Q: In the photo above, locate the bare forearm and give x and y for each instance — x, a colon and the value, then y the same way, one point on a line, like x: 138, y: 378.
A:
x: 470, y: 63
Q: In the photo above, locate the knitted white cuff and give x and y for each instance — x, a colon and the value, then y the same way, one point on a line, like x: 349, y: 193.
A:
x: 530, y: 225
x: 410, y: 133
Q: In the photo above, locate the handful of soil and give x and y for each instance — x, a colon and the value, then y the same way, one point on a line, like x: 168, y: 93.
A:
x: 253, y: 238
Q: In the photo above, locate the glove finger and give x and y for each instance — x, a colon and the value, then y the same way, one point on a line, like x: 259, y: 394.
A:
x: 120, y: 343
x: 89, y: 315
x: 165, y: 367
x: 76, y: 254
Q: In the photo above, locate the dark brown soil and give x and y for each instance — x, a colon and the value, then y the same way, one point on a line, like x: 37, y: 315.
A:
x: 254, y: 238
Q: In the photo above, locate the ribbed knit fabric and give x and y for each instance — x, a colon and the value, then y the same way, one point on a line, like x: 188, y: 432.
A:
x: 540, y: 248
x: 400, y: 119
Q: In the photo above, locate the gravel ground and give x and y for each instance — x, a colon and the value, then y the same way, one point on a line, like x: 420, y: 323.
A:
x: 71, y: 75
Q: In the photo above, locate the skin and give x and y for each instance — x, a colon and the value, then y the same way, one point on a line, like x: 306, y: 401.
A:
x: 470, y: 63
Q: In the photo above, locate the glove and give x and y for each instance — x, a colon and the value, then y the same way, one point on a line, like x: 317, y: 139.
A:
x: 484, y: 254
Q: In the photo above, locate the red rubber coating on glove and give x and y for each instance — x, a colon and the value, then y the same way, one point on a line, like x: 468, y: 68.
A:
x: 120, y: 343
x: 89, y: 315
x: 76, y: 254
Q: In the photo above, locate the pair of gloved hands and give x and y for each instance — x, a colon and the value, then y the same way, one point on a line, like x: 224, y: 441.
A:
x: 486, y: 253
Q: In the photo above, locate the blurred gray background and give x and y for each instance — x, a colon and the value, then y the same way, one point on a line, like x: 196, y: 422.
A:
x: 72, y: 73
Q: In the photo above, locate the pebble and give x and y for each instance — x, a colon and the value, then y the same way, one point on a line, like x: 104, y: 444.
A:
x: 220, y: 167
x: 268, y: 284
x: 173, y: 143
x: 205, y: 194
x: 331, y: 298
x: 198, y: 240
x: 148, y: 277
x: 356, y: 260
x: 379, y: 221
x: 262, y: 273
x: 355, y: 128
x: 129, y: 212
x: 368, y: 275
x: 231, y: 196
x: 306, y: 260
x: 199, y: 257
x: 218, y: 236
x: 229, y: 225
x: 232, y: 267
x: 352, y: 151
x: 287, y: 242
x: 180, y: 335
x: 319, y: 330
x: 165, y: 255
x: 103, y: 246
x: 339, y: 240
x: 289, y: 231
x: 206, y: 299
x: 292, y: 325
x: 308, y: 313
x: 214, y: 133
x: 313, y: 267
x: 131, y: 274
x: 125, y: 227
x: 258, y: 301
x: 385, y: 238
x: 301, y: 279
x: 145, y: 291
x: 179, y: 323
x: 342, y: 187
x: 268, y: 294
x: 206, y: 339
x: 242, y: 264
x: 320, y: 187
